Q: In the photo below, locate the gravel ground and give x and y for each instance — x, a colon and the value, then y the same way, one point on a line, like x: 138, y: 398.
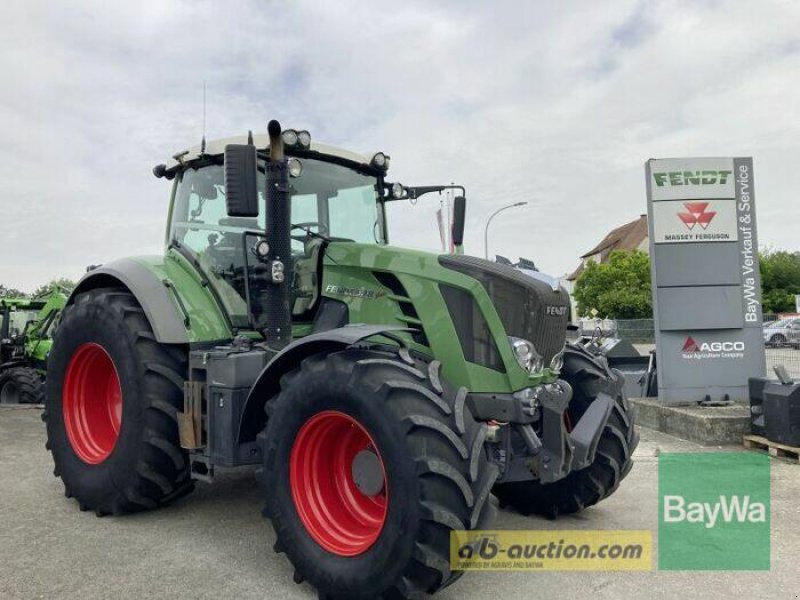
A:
x: 214, y: 543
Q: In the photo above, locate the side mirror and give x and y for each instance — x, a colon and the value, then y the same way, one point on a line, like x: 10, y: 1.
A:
x: 459, y: 217
x: 241, y: 189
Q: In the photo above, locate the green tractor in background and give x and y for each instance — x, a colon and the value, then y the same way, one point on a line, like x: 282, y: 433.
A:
x: 388, y: 395
x: 26, y: 328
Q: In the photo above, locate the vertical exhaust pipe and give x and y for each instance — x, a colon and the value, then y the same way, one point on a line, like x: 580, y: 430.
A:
x: 278, y: 312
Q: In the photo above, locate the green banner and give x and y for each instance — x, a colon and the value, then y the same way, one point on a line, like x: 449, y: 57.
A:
x: 714, y: 511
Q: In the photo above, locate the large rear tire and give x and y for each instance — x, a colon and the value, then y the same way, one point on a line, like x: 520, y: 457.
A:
x: 370, y: 462
x: 612, y: 463
x: 21, y: 385
x: 113, y: 393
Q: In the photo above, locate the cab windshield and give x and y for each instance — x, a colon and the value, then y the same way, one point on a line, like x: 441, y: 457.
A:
x: 19, y: 319
x: 330, y: 200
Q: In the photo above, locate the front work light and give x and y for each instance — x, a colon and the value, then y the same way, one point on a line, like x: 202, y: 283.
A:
x: 289, y: 137
x: 398, y: 191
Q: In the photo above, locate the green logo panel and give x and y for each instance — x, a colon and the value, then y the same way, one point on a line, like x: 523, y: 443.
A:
x: 714, y: 511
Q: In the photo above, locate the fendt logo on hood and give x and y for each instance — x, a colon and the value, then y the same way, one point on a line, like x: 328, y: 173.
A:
x: 696, y: 214
x: 700, y: 350
x: 674, y: 178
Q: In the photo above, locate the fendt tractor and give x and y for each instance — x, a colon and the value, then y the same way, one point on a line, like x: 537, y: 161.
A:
x: 26, y: 327
x: 387, y: 395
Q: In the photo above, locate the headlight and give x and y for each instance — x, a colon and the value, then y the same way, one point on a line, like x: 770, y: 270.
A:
x: 304, y: 138
x: 526, y: 355
x: 558, y: 361
x: 398, y: 191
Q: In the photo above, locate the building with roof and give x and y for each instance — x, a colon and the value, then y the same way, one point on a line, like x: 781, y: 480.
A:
x: 630, y: 236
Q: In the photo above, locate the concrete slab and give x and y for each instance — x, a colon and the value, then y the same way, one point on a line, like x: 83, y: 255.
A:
x: 709, y: 426
x: 214, y: 544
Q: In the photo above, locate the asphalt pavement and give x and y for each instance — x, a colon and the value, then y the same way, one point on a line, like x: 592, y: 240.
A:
x: 214, y: 543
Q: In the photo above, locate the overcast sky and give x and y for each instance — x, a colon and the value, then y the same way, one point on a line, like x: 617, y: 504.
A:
x: 558, y: 104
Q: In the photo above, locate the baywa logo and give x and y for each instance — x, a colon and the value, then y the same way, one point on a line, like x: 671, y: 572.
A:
x: 678, y: 509
x: 673, y: 178
x: 714, y: 511
x: 696, y: 214
x: 695, y: 350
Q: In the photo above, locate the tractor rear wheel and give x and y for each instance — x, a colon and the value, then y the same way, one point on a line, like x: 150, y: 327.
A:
x: 21, y: 385
x: 612, y: 463
x: 370, y: 462
x: 113, y: 393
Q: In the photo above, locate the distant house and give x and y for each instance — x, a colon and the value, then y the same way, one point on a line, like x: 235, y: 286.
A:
x: 630, y: 236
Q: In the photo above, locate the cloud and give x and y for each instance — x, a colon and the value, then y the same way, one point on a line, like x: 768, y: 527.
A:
x: 557, y: 105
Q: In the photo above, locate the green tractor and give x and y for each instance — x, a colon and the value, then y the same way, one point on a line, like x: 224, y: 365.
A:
x: 26, y: 327
x: 387, y: 395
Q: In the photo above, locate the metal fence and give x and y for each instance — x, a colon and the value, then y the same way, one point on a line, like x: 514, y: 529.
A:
x: 781, y: 348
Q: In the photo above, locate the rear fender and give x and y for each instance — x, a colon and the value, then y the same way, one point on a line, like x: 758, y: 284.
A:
x: 267, y: 384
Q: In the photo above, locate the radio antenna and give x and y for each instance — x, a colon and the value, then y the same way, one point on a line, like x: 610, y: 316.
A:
x: 203, y: 141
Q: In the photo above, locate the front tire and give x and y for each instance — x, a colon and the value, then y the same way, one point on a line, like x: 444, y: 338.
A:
x: 113, y: 393
x: 381, y: 531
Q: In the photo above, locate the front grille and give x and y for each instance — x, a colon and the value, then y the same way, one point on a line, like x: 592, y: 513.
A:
x: 527, y: 307
x: 473, y: 333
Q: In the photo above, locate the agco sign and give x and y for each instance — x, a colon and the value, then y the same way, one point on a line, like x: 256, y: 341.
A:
x: 695, y: 350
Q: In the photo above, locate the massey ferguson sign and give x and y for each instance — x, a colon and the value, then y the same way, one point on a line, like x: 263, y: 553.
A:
x: 679, y: 221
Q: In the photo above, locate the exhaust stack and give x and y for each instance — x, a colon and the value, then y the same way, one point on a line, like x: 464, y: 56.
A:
x: 278, y: 311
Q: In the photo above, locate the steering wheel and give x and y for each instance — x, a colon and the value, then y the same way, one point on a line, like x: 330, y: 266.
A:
x: 306, y: 226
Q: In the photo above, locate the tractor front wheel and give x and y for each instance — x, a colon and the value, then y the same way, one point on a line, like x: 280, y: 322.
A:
x: 113, y: 393
x: 370, y: 462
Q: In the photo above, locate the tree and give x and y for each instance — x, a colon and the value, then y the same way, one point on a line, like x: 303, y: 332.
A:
x: 10, y: 292
x: 618, y: 289
x: 780, y: 280
x: 61, y: 282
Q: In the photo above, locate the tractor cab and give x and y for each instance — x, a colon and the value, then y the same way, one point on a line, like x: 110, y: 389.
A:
x: 336, y: 196
x: 16, y: 316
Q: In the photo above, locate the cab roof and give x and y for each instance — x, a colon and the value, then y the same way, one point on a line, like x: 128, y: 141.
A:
x: 261, y: 141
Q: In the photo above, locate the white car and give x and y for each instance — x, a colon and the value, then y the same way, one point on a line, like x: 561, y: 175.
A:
x: 785, y: 332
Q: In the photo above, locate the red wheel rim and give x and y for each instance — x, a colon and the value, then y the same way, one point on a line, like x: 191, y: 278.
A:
x: 92, y: 403
x: 337, y: 514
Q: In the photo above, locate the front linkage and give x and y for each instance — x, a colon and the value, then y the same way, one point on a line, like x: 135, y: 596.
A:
x: 532, y: 435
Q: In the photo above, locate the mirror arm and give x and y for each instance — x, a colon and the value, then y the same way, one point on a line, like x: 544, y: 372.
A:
x: 417, y: 191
